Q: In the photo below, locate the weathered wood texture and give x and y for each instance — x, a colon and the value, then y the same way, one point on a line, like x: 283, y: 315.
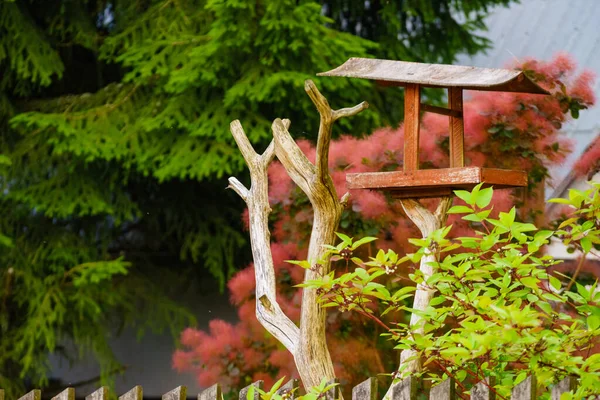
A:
x: 100, y: 394
x: 135, y: 393
x: 427, y: 222
x: 412, y: 111
x: 440, y: 110
x: 483, y: 391
x: 400, y: 73
x: 212, y: 393
x: 290, y: 389
x: 244, y: 393
x: 457, y: 128
x: 179, y: 393
x: 444, y: 391
x: 67, y: 394
x: 307, y: 343
x: 366, y: 390
x: 33, y: 395
x: 407, y: 389
x: 435, y: 182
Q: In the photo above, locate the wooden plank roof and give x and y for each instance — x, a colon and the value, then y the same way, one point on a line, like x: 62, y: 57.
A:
x: 436, y: 75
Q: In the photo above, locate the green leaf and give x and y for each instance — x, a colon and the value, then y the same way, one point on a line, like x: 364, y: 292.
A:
x: 593, y: 322
x: 485, y: 197
x: 345, y: 238
x: 586, y: 244
x: 460, y: 210
x: 362, y: 241
x: 464, y: 196
x: 555, y: 282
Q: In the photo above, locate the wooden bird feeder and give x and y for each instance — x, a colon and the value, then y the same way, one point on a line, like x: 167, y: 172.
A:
x: 413, y: 182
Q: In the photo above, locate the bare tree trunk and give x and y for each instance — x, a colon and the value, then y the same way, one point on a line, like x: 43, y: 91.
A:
x: 427, y: 222
x: 308, y: 343
x: 268, y: 312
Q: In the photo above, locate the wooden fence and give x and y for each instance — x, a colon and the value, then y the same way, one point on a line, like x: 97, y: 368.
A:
x: 408, y: 389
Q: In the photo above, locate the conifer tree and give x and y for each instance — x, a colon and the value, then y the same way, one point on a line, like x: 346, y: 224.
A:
x: 114, y: 145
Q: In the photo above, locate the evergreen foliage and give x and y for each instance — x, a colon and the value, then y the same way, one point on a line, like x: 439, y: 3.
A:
x: 113, y: 135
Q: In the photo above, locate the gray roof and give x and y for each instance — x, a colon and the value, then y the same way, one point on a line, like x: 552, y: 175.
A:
x: 540, y: 29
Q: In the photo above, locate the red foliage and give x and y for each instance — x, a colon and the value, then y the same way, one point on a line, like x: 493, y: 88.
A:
x: 501, y: 130
x: 589, y: 162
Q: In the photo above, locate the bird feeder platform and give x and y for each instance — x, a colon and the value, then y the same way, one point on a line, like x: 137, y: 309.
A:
x: 412, y: 181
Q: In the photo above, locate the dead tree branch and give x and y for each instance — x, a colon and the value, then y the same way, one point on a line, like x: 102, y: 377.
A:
x: 312, y: 357
x: 427, y: 222
x: 268, y: 311
x: 307, y: 343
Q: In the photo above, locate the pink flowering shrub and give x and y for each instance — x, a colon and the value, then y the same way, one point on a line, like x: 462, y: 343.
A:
x: 502, y: 130
x: 589, y: 162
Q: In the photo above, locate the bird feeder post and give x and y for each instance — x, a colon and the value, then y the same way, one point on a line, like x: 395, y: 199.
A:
x: 412, y: 124
x: 412, y: 184
x: 457, y: 128
x: 416, y: 183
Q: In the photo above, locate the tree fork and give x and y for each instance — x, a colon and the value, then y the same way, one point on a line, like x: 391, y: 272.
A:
x: 307, y: 343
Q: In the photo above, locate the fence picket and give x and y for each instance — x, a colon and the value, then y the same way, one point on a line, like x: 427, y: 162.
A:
x: 481, y: 390
x: 67, y: 394
x: 136, y: 393
x: 212, y: 393
x: 33, y: 395
x: 179, y: 393
x: 99, y: 394
x: 334, y: 392
x: 290, y: 389
x: 444, y: 391
x: 566, y: 385
x: 244, y: 391
x: 525, y: 390
x: 366, y: 390
x: 406, y: 389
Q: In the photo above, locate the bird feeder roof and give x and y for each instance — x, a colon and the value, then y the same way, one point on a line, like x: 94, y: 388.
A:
x: 437, y: 75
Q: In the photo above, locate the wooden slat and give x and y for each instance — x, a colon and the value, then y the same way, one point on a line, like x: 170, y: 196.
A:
x: 504, y: 177
x: 440, y: 110
x: 444, y: 391
x: 406, y: 389
x: 136, y: 393
x: 366, y: 390
x: 436, y: 75
x: 1, y: 394
x: 481, y: 391
x: 67, y: 394
x: 566, y: 385
x: 212, y: 393
x: 290, y: 389
x: 461, y: 178
x: 420, y: 193
x: 334, y: 392
x: 33, y: 395
x: 179, y: 393
x: 457, y: 129
x: 525, y: 390
x: 99, y: 394
x: 244, y: 391
x: 412, y: 110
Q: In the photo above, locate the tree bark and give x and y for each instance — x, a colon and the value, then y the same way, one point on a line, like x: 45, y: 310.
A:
x: 307, y: 343
x: 427, y: 222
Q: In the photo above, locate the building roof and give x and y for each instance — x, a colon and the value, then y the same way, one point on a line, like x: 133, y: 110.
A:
x: 541, y: 29
x: 437, y: 75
